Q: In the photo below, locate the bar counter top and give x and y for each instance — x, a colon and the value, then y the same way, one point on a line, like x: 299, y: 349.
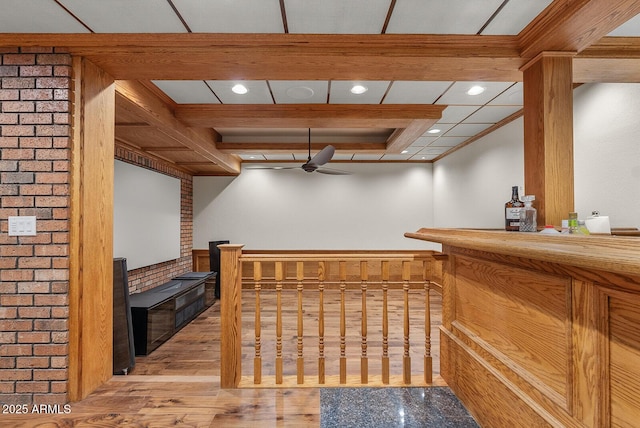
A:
x: 616, y: 254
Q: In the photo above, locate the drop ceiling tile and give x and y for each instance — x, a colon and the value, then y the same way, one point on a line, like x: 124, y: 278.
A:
x: 433, y: 150
x: 300, y: 91
x: 514, y: 16
x: 492, y: 114
x: 279, y: 156
x: 467, y: 130
x: 366, y: 157
x: 252, y: 157
x: 336, y: 16
x: 340, y: 92
x: 512, y: 96
x: 423, y: 141
x: 442, y: 128
x: 126, y: 16
x: 448, y: 142
x: 258, y: 91
x: 36, y: 16
x: 423, y: 157
x: 441, y: 17
x: 342, y: 156
x: 408, y: 92
x: 457, y: 93
x: 631, y: 28
x: 455, y: 114
x: 238, y: 16
x: 394, y: 156
x: 187, y: 91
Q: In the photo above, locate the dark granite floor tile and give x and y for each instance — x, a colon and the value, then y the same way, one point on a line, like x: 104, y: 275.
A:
x: 392, y: 407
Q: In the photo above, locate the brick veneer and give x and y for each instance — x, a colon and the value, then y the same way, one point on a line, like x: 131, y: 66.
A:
x: 34, y: 180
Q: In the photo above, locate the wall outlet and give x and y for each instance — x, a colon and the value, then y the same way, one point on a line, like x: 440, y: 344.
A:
x: 22, y: 225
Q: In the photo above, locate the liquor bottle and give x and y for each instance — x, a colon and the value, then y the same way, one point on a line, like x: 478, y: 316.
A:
x: 528, y: 215
x: 512, y: 211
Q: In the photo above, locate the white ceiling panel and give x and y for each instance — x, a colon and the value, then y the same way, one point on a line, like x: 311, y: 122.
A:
x: 342, y: 156
x: 423, y: 141
x: 340, y: 92
x: 457, y: 93
x: 336, y: 16
x: 467, y: 130
x: 187, y: 91
x: 366, y: 157
x: 36, y: 16
x: 441, y: 17
x: 448, y: 142
x: 631, y: 28
x: 405, y: 92
x: 126, y: 16
x: 433, y: 150
x: 399, y: 157
x: 259, y: 92
x: 299, y: 91
x: 237, y: 16
x: 440, y: 127
x: 279, y: 156
x: 511, y: 97
x: 492, y: 114
x: 455, y: 114
x: 515, y: 15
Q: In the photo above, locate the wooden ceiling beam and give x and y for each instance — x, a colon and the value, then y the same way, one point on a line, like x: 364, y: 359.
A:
x: 404, y: 137
x: 574, y: 25
x: 134, y: 97
x: 249, y: 148
x: 306, y: 115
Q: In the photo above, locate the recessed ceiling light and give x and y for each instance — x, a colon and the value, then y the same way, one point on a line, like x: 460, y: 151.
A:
x: 475, y: 90
x: 239, y: 89
x: 358, y: 89
x: 405, y: 151
x: 433, y: 131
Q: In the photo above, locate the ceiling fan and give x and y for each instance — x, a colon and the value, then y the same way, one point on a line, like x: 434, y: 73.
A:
x: 313, y: 164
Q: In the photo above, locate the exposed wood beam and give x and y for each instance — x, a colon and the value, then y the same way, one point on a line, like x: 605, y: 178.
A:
x: 248, y: 148
x: 134, y: 96
x: 612, y: 59
x: 404, y: 137
x: 573, y: 25
x: 291, y: 56
x: 306, y: 115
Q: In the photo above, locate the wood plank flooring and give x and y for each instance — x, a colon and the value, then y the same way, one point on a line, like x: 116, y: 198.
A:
x: 178, y: 384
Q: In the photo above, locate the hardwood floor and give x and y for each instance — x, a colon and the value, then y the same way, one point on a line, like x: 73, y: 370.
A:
x: 178, y: 383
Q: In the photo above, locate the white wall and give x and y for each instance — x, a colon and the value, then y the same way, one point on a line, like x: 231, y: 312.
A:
x: 607, y: 151
x: 472, y: 184
x: 291, y: 209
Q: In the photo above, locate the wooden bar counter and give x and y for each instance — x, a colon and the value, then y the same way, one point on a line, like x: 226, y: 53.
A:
x: 541, y: 330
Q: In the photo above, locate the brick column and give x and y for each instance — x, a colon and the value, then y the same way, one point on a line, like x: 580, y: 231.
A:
x: 34, y: 181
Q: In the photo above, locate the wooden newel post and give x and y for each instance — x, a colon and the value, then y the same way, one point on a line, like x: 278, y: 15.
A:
x: 230, y: 315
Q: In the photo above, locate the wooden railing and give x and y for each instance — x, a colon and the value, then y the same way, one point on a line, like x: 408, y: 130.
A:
x: 331, y: 279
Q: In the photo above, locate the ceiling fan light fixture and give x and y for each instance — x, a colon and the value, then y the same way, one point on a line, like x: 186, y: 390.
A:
x: 239, y: 89
x: 358, y: 89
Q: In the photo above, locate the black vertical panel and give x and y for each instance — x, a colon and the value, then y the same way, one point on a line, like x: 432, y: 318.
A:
x: 214, y: 262
x: 123, y: 348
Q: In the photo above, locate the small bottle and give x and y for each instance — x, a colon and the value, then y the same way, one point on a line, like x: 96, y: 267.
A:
x: 512, y: 211
x: 573, y: 222
x: 528, y: 215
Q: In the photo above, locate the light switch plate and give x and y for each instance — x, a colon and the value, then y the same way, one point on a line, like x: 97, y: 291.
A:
x: 22, y: 225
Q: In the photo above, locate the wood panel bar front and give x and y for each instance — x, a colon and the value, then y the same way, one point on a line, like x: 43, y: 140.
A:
x: 541, y: 330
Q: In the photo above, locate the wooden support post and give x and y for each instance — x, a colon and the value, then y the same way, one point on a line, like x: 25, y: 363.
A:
x: 321, y: 361
x: 230, y: 315
x: 428, y: 360
x: 548, y: 135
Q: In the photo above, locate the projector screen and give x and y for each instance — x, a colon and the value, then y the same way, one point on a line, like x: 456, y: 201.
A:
x: 146, y: 216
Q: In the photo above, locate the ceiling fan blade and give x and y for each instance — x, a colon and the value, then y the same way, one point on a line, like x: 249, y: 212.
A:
x: 331, y: 171
x: 322, y: 157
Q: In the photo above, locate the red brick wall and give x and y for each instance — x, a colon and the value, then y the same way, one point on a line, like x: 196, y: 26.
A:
x: 34, y: 181
x: 150, y: 276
